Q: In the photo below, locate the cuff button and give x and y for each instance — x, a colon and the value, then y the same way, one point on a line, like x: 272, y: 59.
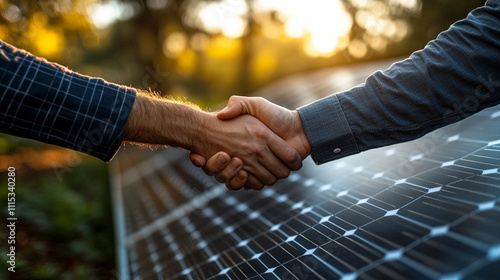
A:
x: 337, y: 151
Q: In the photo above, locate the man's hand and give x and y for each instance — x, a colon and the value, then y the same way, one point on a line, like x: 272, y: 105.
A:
x: 261, y: 152
x: 285, y: 123
x: 222, y: 167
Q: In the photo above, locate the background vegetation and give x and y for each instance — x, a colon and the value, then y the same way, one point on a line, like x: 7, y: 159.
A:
x: 203, y: 50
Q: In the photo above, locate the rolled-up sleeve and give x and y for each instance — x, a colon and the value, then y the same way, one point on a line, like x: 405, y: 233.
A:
x: 49, y: 103
x: 453, y: 77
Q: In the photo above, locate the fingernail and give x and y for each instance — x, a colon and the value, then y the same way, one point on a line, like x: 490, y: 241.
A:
x: 224, y: 110
x: 221, y: 159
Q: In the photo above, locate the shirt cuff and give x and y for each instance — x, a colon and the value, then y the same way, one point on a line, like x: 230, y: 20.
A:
x: 327, y: 130
x: 111, y: 128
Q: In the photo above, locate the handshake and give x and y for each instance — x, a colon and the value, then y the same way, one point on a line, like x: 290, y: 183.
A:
x: 264, y: 144
x: 251, y: 143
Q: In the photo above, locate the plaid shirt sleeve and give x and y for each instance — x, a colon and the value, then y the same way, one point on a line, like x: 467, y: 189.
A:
x: 49, y: 103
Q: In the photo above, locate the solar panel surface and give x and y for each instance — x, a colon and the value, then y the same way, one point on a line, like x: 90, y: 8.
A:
x: 426, y: 209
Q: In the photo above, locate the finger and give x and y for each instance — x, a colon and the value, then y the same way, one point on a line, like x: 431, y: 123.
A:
x: 216, y: 163
x: 261, y: 173
x: 233, y: 108
x: 197, y: 160
x: 285, y: 152
x: 254, y: 183
x: 274, y: 166
x: 230, y: 171
x: 258, y: 107
x: 238, y: 181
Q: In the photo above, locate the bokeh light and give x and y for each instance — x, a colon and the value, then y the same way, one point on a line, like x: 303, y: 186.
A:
x: 324, y: 24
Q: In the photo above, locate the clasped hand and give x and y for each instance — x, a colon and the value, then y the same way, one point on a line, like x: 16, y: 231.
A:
x: 238, y: 168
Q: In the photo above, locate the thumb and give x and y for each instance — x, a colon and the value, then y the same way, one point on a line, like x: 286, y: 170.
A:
x: 233, y: 108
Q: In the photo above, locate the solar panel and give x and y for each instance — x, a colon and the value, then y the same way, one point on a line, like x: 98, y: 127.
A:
x: 426, y: 209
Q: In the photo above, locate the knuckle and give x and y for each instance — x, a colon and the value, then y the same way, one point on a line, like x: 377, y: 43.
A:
x: 254, y: 149
x: 293, y: 159
x: 260, y: 132
x: 236, y: 164
x: 284, y: 173
x: 271, y: 181
x: 207, y: 171
x: 220, y: 178
x: 260, y: 99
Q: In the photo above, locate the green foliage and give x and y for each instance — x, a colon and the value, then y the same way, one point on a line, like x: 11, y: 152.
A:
x: 64, y: 228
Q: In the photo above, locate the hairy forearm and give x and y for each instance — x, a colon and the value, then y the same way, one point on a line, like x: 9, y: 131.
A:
x: 160, y: 121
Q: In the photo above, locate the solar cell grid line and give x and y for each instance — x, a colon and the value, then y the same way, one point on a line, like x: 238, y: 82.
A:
x: 278, y: 244
x: 347, y: 255
x: 435, y: 211
x: 226, y: 232
x: 433, y: 175
x: 155, y: 267
x: 149, y: 212
x: 134, y: 267
x: 155, y: 206
x: 485, y: 271
x: 471, y: 192
x: 193, y: 259
x: 367, y: 190
x: 163, y: 195
x: 396, y: 196
x: 393, y: 270
x: 197, y: 174
x: 136, y: 213
x: 393, y: 234
x: 130, y: 223
x: 491, y: 179
x: 180, y: 185
x: 194, y: 203
x: 488, y: 158
x: 443, y: 255
x: 174, y: 247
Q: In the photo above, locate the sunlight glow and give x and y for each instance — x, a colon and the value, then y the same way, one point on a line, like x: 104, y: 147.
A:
x: 104, y: 14
x: 234, y: 27
x: 322, y: 23
x: 226, y: 16
x: 49, y: 43
x: 174, y: 44
x: 412, y: 5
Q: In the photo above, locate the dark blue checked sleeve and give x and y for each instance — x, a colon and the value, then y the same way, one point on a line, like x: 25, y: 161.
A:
x: 453, y: 77
x: 49, y: 103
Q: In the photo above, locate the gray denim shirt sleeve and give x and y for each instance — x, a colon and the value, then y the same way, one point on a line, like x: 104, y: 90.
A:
x: 453, y: 77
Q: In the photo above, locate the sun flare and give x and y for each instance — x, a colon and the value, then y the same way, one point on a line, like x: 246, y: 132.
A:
x: 324, y: 24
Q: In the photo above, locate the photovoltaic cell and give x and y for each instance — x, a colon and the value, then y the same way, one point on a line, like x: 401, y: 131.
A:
x: 426, y: 209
